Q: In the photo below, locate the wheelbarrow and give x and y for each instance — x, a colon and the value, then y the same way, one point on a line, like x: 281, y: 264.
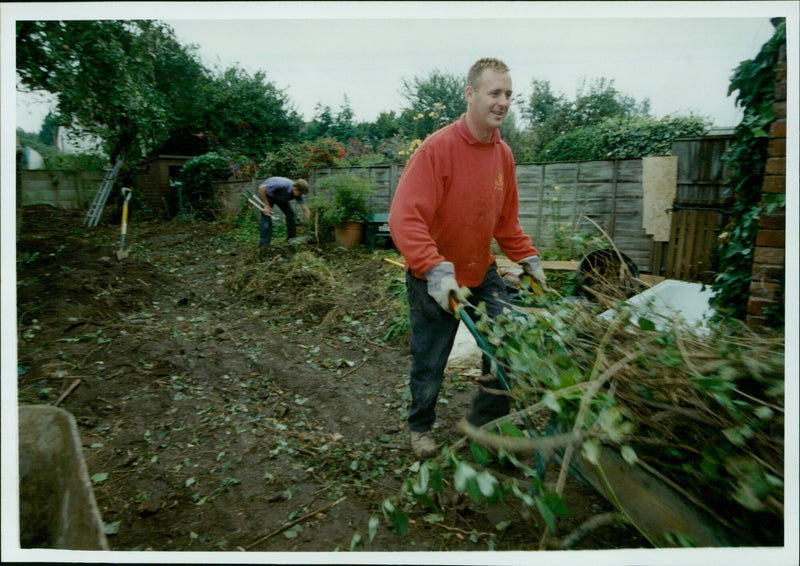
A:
x: 57, y: 508
x: 656, y: 509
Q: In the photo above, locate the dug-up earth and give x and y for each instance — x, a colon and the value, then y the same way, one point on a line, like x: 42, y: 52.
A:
x: 231, y: 401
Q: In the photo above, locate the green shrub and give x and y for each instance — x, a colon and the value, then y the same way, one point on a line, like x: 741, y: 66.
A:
x: 623, y: 138
x: 296, y: 159
x: 196, y: 176
x: 340, y: 197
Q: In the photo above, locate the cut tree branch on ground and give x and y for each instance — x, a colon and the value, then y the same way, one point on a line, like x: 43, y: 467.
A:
x: 290, y: 524
x: 69, y: 390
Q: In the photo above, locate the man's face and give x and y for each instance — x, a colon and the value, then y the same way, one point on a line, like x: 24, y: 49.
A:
x: 489, y: 102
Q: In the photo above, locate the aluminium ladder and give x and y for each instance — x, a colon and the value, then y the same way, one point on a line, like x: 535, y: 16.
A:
x: 100, y: 198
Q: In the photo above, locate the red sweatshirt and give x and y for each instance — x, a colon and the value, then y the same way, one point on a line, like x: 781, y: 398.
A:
x: 454, y: 196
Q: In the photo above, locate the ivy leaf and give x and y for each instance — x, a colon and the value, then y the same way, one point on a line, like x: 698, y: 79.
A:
x: 436, y: 479
x: 646, y: 324
x: 591, y: 450
x: 373, y: 527
x: 486, y: 483
x: 480, y: 454
x: 509, y: 429
x: 473, y: 490
x: 464, y: 472
x: 629, y: 455
x: 550, y: 400
x: 503, y: 525
x: 424, y: 476
x: 100, y: 478
x: 522, y: 496
x: 397, y: 518
x: 547, y: 514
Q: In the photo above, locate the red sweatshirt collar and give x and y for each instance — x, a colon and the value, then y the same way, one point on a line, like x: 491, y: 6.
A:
x: 463, y: 129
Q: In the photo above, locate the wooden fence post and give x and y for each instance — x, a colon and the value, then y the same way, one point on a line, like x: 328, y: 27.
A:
x: 539, y: 214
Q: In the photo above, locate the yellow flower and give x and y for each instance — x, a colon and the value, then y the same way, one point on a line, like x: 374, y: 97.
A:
x: 555, y: 199
x: 432, y: 114
x: 560, y: 228
x: 556, y: 188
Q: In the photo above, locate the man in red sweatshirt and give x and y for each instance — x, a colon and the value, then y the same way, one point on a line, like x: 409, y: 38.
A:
x: 457, y: 193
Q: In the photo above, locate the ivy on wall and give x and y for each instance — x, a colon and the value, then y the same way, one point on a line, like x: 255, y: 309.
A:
x: 747, y: 155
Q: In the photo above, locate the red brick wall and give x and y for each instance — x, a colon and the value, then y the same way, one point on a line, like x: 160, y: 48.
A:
x: 769, y: 257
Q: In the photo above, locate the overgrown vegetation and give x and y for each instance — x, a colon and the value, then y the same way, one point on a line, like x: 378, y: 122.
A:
x: 296, y: 159
x: 701, y: 412
x: 196, y: 177
x: 755, y: 81
x: 621, y: 137
x: 340, y: 198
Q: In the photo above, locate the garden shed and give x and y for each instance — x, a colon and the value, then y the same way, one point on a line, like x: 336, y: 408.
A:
x: 153, y: 180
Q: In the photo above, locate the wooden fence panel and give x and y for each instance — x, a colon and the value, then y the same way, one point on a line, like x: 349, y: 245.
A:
x: 554, y: 198
x: 383, y: 179
x: 699, y: 211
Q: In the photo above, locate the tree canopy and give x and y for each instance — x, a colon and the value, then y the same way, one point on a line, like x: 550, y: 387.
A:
x: 105, y: 76
x: 550, y: 116
x: 432, y: 101
x: 132, y: 84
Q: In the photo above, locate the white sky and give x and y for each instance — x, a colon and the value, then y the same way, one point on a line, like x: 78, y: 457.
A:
x: 679, y: 55
x: 680, y: 64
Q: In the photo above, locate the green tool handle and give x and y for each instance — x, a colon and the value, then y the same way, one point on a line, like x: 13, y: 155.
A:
x: 461, y: 312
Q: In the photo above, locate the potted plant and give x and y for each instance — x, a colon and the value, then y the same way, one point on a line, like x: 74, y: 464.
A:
x: 340, y: 205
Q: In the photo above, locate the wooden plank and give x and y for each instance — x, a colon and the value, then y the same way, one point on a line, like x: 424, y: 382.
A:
x: 691, y: 236
x: 680, y: 257
x: 613, y: 220
x: 708, y: 241
x: 651, y: 280
x: 668, y: 267
x: 503, y: 261
x: 538, y: 233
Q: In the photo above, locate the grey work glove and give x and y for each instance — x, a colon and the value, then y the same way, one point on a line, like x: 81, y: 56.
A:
x: 442, y: 283
x: 532, y: 267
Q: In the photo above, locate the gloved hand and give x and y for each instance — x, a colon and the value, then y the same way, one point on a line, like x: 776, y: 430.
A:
x: 442, y: 283
x: 532, y: 267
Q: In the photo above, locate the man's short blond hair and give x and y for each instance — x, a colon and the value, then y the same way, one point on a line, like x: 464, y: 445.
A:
x: 475, y: 72
x: 302, y: 186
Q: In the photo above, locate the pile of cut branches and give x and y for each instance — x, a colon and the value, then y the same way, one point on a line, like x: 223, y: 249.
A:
x: 703, y: 412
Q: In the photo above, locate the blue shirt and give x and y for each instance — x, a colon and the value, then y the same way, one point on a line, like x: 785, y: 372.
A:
x: 280, y: 189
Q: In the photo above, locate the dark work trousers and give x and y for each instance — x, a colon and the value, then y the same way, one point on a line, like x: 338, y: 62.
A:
x: 265, y: 222
x: 433, y: 332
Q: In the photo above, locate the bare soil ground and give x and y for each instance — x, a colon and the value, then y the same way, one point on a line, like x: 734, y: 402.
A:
x: 240, y: 402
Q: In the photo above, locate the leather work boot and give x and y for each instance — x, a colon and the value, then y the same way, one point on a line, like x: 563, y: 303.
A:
x: 423, y: 444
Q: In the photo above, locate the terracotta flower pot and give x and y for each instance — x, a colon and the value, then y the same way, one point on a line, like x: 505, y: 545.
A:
x: 348, y: 234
